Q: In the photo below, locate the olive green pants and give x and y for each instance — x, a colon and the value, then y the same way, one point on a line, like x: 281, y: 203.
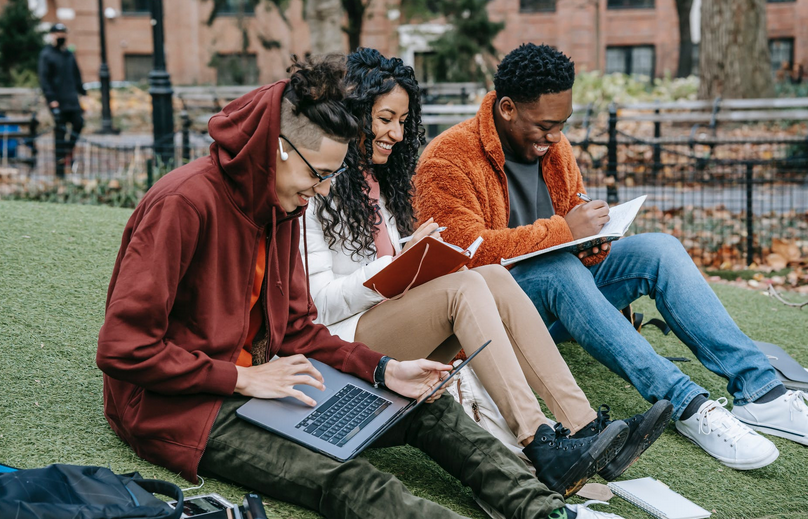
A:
x: 278, y: 468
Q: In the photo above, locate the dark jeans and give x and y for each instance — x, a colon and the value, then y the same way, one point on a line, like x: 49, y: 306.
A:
x: 62, y: 145
x: 257, y: 459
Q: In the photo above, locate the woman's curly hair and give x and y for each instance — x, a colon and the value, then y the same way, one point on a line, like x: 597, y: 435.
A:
x: 347, y: 212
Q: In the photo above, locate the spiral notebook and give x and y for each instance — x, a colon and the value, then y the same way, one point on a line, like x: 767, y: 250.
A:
x: 657, y: 499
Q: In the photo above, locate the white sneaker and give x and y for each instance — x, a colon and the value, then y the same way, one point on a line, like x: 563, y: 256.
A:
x: 584, y: 512
x: 786, y: 416
x: 725, y: 438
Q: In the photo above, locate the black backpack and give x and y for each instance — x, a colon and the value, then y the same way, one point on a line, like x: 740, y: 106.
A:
x: 77, y: 492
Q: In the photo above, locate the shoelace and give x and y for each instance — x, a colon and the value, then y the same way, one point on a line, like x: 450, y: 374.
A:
x: 715, y: 417
x: 796, y: 402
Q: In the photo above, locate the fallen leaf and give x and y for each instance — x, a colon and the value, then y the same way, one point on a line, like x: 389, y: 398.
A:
x: 776, y: 261
x: 787, y: 249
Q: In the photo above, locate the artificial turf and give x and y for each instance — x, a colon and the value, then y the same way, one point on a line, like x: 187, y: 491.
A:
x: 55, y: 264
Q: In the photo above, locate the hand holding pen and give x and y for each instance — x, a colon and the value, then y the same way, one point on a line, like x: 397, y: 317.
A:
x: 428, y: 228
x: 587, y: 220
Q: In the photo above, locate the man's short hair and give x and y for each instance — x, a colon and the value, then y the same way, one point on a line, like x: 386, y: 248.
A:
x: 530, y: 71
x: 58, y: 27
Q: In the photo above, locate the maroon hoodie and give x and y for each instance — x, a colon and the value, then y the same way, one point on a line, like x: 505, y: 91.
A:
x: 178, y: 303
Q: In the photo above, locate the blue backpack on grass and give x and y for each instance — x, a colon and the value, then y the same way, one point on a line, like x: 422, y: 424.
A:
x: 77, y: 492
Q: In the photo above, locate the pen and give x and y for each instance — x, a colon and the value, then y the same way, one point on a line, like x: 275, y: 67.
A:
x: 583, y: 197
x: 408, y: 238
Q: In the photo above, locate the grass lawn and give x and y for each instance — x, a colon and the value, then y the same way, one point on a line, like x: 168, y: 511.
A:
x: 55, y: 264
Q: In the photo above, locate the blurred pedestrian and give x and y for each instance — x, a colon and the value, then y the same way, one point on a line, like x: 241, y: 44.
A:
x: 60, y: 80
x: 796, y: 74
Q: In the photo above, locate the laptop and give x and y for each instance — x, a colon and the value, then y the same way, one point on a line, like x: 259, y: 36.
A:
x: 349, y: 416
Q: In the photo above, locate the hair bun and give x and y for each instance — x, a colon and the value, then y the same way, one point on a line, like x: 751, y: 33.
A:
x: 317, y: 79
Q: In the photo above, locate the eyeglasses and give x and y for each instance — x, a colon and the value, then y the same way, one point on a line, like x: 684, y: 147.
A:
x: 321, y: 178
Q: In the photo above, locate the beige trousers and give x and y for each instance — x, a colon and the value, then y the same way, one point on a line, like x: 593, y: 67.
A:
x: 465, y: 309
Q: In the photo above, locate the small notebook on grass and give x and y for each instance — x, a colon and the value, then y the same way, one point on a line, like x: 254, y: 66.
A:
x: 621, y: 216
x: 657, y: 499
x: 790, y: 372
x: 426, y: 260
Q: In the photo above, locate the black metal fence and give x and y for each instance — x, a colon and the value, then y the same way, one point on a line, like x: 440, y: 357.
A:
x: 726, y: 198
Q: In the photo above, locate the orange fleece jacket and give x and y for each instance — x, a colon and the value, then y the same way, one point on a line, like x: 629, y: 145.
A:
x: 461, y: 183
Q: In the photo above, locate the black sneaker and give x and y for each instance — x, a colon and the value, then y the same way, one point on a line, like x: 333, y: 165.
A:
x: 644, y: 429
x: 564, y: 464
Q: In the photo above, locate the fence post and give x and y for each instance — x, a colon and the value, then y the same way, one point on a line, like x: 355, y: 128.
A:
x: 611, y: 166
x: 750, y: 228
x: 186, y: 137
x: 657, y: 146
x: 32, y: 129
x: 149, y: 173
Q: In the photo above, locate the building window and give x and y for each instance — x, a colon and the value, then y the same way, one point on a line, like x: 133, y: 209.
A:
x: 630, y: 4
x: 236, y: 7
x: 136, y: 67
x: 236, y: 69
x: 537, y: 6
x: 638, y: 60
x: 136, y: 6
x: 782, y: 53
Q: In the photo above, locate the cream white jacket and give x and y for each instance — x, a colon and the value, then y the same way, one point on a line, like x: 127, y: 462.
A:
x: 336, y: 278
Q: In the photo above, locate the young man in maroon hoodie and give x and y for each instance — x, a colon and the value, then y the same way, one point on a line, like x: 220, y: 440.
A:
x: 209, y: 285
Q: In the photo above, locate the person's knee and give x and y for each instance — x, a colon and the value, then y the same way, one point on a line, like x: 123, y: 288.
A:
x: 495, y: 275
x: 664, y: 247
x: 559, y: 269
x: 470, y: 283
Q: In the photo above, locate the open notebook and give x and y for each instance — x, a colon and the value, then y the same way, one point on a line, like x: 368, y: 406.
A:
x: 657, y: 499
x: 621, y: 216
x: 426, y: 260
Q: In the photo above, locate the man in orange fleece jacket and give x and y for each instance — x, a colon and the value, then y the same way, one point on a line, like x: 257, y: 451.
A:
x: 509, y: 175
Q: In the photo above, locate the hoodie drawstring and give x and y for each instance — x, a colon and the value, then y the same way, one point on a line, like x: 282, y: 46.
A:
x: 273, y: 251
x: 306, y: 261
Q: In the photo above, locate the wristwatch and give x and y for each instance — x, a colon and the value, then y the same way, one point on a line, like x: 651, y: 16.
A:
x: 378, y: 373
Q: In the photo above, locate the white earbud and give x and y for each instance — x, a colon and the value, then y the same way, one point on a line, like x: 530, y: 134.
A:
x: 284, y: 155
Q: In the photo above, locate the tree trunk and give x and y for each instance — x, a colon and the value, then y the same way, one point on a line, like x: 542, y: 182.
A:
x: 734, y: 57
x: 325, y: 25
x: 355, y: 10
x: 685, y: 67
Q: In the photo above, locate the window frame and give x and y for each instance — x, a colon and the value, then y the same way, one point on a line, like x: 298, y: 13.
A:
x: 136, y: 12
x: 232, y: 10
x: 542, y: 6
x: 628, y: 59
x: 630, y: 4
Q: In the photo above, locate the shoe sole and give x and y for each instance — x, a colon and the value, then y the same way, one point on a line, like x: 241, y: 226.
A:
x: 651, y: 428
x: 749, y: 465
x: 602, y: 451
x: 772, y: 431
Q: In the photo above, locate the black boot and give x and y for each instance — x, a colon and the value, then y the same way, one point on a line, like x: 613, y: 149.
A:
x: 564, y: 464
x: 644, y: 429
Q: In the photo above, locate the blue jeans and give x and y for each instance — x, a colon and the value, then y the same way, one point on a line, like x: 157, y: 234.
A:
x: 585, y: 301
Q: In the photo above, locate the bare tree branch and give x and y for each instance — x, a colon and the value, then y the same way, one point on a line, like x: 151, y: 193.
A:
x: 772, y: 292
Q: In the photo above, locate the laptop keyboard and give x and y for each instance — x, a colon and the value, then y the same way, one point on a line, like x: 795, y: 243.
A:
x: 343, y: 415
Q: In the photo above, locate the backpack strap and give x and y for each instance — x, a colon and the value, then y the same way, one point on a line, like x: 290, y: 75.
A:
x: 156, y: 486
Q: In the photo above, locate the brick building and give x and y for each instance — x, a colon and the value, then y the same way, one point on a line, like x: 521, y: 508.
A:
x: 198, y: 53
x: 634, y: 36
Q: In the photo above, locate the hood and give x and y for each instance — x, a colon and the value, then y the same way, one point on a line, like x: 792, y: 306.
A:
x: 245, y: 135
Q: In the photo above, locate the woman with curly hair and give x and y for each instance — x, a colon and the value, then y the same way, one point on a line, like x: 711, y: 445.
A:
x: 353, y: 233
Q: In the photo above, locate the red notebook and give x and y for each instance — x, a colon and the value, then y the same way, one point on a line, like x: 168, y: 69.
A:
x: 426, y: 260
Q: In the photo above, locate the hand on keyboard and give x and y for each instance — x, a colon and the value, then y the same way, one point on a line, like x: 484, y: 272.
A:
x: 276, y: 379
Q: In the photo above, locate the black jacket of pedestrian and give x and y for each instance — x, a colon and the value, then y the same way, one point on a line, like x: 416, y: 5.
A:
x: 60, y: 78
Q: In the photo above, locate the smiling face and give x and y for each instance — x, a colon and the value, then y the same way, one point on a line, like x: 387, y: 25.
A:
x: 527, y: 130
x: 295, y: 183
x: 388, y: 115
